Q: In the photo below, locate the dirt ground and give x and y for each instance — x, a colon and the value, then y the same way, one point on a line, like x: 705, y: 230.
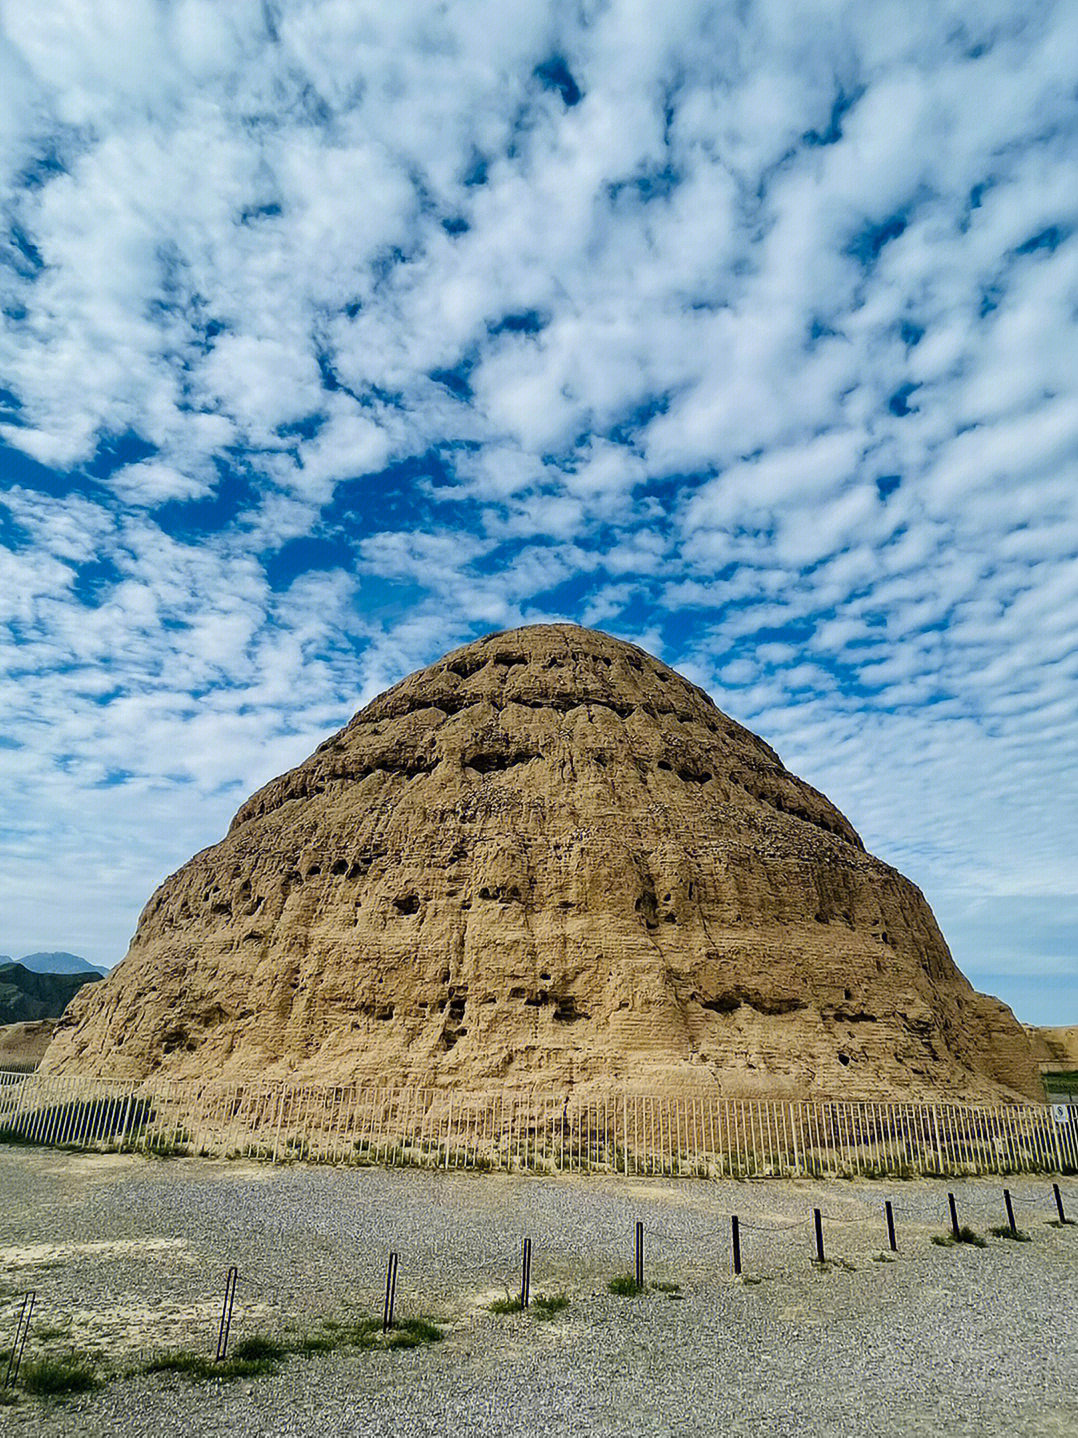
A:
x: 127, y: 1257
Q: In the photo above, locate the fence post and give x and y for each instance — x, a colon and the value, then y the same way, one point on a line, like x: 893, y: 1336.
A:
x: 735, y: 1235
x: 890, y: 1215
x: 639, y: 1254
x: 525, y: 1273
x: 955, y: 1231
x: 226, y: 1314
x: 22, y: 1329
x: 391, y: 1293
x: 818, y: 1221
x: 1009, y: 1206
x: 1059, y: 1203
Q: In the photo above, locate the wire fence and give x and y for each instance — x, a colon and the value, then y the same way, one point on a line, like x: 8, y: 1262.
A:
x: 632, y: 1134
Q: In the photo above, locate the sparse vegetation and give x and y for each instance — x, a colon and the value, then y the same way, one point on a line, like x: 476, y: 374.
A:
x: 625, y: 1286
x: 1016, y: 1235
x: 671, y: 1289
x: 505, y: 1305
x: 965, y: 1235
x: 260, y: 1354
x: 411, y: 1332
x: 59, y: 1375
x: 201, y: 1365
x: 546, y: 1305
x: 13, y: 1136
x: 258, y: 1348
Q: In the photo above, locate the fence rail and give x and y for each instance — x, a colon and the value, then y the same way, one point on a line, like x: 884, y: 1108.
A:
x: 629, y: 1134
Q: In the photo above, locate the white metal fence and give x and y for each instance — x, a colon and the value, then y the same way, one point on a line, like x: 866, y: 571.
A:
x: 629, y: 1133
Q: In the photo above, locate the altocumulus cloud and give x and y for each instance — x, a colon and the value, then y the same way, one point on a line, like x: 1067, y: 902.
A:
x: 337, y: 333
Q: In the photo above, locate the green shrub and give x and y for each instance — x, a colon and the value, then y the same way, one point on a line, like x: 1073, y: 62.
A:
x: 1016, y: 1235
x: 505, y: 1305
x: 546, y: 1305
x: 317, y: 1343
x: 965, y: 1235
x: 201, y: 1365
x: 411, y: 1332
x: 625, y: 1285
x: 258, y: 1348
x: 55, y: 1376
x: 176, y: 1360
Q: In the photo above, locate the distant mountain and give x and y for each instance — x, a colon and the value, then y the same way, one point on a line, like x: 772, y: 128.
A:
x: 26, y: 996
x: 55, y: 963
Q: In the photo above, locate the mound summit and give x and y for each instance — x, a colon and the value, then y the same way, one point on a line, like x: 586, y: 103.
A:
x: 547, y: 860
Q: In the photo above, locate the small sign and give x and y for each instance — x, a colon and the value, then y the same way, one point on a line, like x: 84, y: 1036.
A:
x: 1061, y: 1112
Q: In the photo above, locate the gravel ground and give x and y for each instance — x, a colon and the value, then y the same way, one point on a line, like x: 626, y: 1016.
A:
x: 128, y: 1255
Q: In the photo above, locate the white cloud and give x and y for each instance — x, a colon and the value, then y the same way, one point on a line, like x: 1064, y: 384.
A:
x: 762, y: 353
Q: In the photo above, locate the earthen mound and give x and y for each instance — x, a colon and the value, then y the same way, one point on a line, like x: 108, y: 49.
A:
x: 547, y: 860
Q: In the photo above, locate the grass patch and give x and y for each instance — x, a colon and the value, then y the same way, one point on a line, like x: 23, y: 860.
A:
x: 412, y: 1332
x: 201, y: 1366
x: 546, y: 1305
x: 667, y: 1287
x: 366, y: 1333
x: 258, y: 1348
x: 55, y: 1377
x: 505, y: 1305
x: 13, y: 1136
x: 965, y: 1235
x: 625, y: 1286
x: 1016, y: 1235
x: 316, y: 1343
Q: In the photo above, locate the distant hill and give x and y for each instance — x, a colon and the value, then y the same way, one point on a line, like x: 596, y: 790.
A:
x: 55, y: 963
x: 26, y: 996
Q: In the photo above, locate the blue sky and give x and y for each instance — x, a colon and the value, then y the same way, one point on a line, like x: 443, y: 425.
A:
x: 336, y: 334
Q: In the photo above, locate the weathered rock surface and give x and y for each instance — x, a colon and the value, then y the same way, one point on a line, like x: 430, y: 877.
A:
x: 547, y: 860
x: 23, y: 1045
x: 1055, y: 1048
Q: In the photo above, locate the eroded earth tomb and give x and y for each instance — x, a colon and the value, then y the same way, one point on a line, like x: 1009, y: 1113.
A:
x: 547, y: 861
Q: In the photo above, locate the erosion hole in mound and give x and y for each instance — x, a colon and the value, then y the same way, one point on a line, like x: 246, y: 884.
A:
x: 490, y: 763
x: 407, y: 904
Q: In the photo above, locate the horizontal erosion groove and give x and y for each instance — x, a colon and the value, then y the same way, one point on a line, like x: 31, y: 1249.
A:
x: 708, y: 1136
x: 731, y: 999
x: 454, y: 703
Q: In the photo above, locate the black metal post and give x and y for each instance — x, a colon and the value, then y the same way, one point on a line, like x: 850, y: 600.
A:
x: 818, y: 1220
x: 22, y: 1329
x: 954, y: 1218
x: 226, y: 1314
x: 735, y: 1234
x: 1059, y: 1203
x: 890, y: 1215
x: 639, y: 1254
x: 526, y: 1273
x: 1009, y: 1206
x: 391, y: 1293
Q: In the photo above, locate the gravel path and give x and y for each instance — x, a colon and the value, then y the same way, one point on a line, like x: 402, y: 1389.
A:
x: 128, y: 1255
